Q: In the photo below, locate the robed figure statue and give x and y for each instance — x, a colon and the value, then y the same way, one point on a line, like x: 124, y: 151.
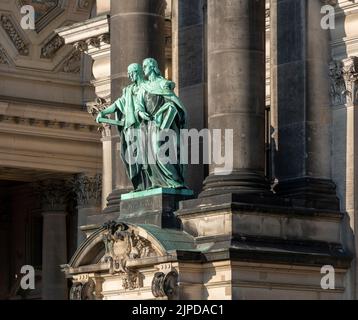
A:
x: 160, y: 111
x: 147, y: 111
x: 126, y: 120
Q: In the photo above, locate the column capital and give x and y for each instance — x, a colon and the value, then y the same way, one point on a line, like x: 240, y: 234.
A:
x: 344, y: 78
x: 88, y: 189
x: 53, y: 194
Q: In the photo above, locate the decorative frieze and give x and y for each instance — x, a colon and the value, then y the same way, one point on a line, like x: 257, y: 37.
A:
x: 14, y: 35
x: 49, y: 50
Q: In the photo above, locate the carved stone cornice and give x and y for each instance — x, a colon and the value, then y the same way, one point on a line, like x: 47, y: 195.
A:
x: 49, y: 50
x: 14, y: 35
x: 32, y: 122
x: 344, y: 81
x: 91, y: 44
x: 92, y: 28
x: 88, y: 189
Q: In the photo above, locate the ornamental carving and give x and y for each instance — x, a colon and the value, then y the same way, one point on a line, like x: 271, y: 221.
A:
x: 3, y: 56
x: 338, y: 86
x: 83, y: 291
x: 344, y: 81
x: 51, y: 47
x: 94, y: 108
x: 350, y: 75
x: 88, y: 189
x: 53, y: 194
x: 14, y: 35
x: 73, y: 63
x: 165, y: 284
x: 121, y: 245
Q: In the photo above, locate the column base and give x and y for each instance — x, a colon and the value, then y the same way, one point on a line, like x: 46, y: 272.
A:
x: 242, y: 183
x: 309, y: 193
x: 114, y: 201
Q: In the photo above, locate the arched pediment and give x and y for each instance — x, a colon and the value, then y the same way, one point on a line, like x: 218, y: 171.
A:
x: 117, y: 241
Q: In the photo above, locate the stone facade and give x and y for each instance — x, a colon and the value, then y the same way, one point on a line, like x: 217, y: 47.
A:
x: 263, y: 232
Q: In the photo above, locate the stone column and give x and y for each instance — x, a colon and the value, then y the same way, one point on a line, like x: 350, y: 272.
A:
x: 137, y: 32
x: 54, y: 251
x: 189, y: 72
x: 236, y: 93
x: 88, y: 190
x: 301, y: 103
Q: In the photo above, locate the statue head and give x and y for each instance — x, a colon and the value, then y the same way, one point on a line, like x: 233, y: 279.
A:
x: 150, y: 66
x: 135, y: 72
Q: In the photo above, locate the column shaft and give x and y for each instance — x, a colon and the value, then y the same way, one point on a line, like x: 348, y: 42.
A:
x: 54, y: 283
x: 300, y: 103
x: 137, y: 32
x: 236, y: 92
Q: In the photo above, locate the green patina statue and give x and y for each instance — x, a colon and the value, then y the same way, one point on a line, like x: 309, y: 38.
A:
x: 151, y: 108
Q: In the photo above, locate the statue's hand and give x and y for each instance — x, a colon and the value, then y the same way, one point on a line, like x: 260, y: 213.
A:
x: 144, y: 115
x: 100, y: 115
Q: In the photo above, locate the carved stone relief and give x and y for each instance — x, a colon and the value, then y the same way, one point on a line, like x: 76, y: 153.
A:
x: 49, y: 50
x: 165, y: 284
x: 121, y: 245
x: 14, y: 35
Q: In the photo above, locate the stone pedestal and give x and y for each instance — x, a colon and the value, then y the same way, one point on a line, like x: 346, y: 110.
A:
x: 155, y: 207
x: 257, y: 245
